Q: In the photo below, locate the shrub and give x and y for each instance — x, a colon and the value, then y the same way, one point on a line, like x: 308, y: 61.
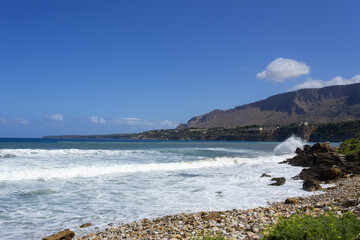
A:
x: 351, y: 146
x: 330, y: 226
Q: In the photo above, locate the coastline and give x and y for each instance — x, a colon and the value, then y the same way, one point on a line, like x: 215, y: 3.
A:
x: 314, y: 132
x: 238, y: 224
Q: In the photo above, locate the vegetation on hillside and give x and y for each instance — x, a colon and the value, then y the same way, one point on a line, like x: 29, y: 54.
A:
x: 246, y: 133
x: 351, y: 146
x: 334, y: 132
x: 337, y: 132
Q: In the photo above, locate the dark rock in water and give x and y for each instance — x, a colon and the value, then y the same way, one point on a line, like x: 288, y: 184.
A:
x: 324, y: 164
x: 333, y: 173
x: 299, y: 150
x: 311, y: 185
x: 63, y: 235
x: 303, y: 157
x: 317, y: 154
x: 306, y: 148
x: 308, y: 173
x: 265, y: 175
x: 321, y: 173
x: 297, y: 177
x: 85, y: 225
x: 321, y: 159
x: 278, y: 181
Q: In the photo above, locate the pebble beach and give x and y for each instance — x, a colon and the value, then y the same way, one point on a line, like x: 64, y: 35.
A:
x: 238, y: 224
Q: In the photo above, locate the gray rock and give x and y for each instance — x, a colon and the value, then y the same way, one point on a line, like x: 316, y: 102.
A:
x: 278, y: 181
x: 63, y: 235
x: 311, y: 185
x: 265, y: 175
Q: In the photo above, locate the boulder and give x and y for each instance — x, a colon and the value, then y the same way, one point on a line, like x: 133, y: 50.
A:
x: 299, y: 150
x: 311, y: 185
x: 319, y: 153
x: 350, y: 203
x: 352, y: 157
x: 320, y: 147
x: 300, y: 160
x: 265, y: 175
x: 307, y: 148
x: 278, y: 181
x: 322, y: 172
x: 323, y: 163
x: 85, y: 225
x: 324, y: 157
x: 63, y: 235
x: 308, y: 173
x: 303, y: 157
x: 292, y: 200
x: 296, y: 177
x: 332, y: 173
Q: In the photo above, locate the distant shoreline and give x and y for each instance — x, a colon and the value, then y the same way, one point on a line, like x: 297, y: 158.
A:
x: 332, y: 132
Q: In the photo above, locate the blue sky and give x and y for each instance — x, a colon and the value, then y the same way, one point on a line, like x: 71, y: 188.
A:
x: 100, y: 67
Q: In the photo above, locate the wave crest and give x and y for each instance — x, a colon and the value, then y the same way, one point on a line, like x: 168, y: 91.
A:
x: 85, y: 171
x: 289, y: 145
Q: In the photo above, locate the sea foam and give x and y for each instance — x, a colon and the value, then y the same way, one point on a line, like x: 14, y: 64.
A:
x: 289, y: 145
x: 86, y: 171
x: 49, y: 188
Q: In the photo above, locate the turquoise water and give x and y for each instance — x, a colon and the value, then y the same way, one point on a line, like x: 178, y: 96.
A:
x: 49, y: 185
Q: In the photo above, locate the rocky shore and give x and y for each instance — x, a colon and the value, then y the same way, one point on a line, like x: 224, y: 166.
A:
x: 323, y: 165
x: 238, y: 224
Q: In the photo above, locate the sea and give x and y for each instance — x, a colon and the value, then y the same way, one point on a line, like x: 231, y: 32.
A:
x: 48, y: 185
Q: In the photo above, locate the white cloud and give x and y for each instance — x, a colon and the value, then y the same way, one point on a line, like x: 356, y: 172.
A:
x: 132, y: 119
x: 3, y: 121
x: 146, y: 123
x: 22, y: 121
x: 310, y: 83
x: 284, y: 68
x: 54, y: 118
x: 96, y: 119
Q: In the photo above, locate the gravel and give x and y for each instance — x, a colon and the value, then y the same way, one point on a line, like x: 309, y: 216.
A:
x: 238, y: 224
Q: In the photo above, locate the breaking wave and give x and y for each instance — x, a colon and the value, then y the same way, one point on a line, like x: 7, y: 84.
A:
x: 85, y: 171
x: 289, y: 145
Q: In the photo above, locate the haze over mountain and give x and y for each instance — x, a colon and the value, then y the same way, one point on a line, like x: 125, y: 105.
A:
x: 323, y: 105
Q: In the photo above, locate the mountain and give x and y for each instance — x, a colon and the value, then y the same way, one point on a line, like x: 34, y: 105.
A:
x: 323, y: 105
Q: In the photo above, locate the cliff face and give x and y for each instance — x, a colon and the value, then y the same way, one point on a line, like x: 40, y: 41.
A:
x: 324, y: 105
